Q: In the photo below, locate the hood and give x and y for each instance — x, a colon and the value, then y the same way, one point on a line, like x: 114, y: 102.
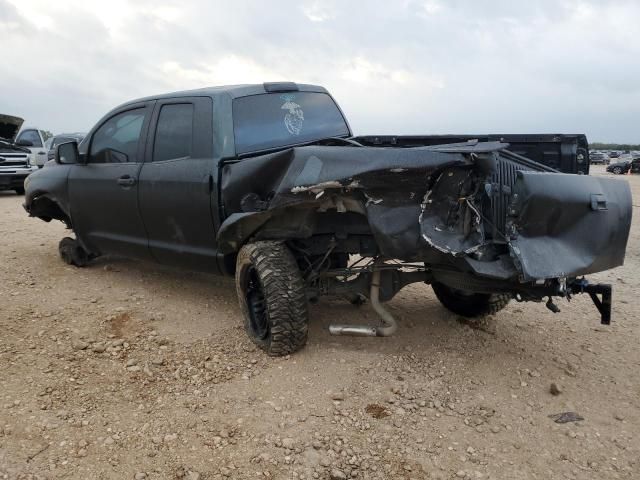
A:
x: 9, y: 127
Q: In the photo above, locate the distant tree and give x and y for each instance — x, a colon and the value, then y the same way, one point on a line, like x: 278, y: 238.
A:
x: 47, y: 134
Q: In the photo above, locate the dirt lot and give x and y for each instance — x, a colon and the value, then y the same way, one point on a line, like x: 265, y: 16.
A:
x: 127, y: 370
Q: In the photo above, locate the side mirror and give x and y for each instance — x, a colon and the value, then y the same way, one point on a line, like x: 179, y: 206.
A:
x: 67, y: 153
x: 24, y: 143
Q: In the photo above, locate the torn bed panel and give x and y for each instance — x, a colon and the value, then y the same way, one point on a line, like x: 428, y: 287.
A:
x: 280, y: 177
x: 385, y: 185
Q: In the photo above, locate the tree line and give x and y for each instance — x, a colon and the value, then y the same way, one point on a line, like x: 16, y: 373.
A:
x: 613, y: 146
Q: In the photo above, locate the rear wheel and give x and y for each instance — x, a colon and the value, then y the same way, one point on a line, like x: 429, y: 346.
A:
x: 272, y: 297
x: 72, y: 253
x: 617, y: 170
x: 470, y: 304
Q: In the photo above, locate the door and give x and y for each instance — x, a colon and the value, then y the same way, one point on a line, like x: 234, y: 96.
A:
x: 176, y: 184
x: 38, y: 150
x: 103, y: 191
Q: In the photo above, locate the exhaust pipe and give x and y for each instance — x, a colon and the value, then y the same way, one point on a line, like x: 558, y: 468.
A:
x: 389, y: 324
x: 353, y: 330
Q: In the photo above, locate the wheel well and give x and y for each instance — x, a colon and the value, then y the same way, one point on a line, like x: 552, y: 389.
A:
x: 227, y: 263
x: 47, y: 209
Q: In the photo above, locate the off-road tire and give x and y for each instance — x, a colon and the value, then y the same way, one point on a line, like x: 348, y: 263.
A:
x: 19, y: 190
x: 617, y: 171
x: 72, y: 253
x: 470, y: 304
x: 272, y: 297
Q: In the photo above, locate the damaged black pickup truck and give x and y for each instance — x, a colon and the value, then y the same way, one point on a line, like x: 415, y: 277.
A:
x: 267, y: 183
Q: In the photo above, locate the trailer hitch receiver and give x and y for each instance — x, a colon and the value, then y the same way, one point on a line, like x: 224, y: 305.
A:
x: 603, y: 303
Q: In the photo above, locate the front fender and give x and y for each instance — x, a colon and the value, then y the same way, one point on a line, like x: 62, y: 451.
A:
x: 45, y: 188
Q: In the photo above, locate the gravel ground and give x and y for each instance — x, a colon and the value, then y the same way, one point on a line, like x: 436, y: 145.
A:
x: 128, y: 370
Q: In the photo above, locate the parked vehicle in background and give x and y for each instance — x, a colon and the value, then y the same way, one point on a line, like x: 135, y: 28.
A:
x: 14, y: 160
x: 620, y: 168
x: 598, y: 157
x: 267, y: 183
x: 62, y: 138
x: 34, y: 139
x: 614, y: 154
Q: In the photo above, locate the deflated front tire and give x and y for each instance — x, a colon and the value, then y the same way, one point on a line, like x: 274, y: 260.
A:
x: 72, y: 253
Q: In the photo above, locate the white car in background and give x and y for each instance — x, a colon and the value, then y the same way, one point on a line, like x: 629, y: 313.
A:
x: 34, y: 140
x: 14, y: 160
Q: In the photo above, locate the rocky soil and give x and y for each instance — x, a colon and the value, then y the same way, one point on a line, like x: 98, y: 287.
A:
x: 128, y: 370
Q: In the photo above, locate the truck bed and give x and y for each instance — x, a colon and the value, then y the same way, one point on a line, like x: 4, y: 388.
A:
x: 565, y: 153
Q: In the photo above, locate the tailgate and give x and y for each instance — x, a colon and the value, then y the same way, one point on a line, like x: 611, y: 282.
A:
x: 564, y: 225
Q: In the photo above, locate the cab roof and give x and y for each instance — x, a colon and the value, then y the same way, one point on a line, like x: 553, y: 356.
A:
x: 236, y: 91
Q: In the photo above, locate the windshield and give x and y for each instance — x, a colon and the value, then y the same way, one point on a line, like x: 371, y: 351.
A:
x: 274, y: 120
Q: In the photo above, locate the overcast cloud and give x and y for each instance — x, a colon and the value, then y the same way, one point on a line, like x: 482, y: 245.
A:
x: 405, y: 66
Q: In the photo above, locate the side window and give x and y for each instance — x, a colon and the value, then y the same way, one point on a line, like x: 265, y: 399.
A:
x: 174, y: 133
x: 31, y: 136
x: 116, y: 141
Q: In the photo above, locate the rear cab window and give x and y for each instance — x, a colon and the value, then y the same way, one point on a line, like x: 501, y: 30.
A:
x: 273, y: 120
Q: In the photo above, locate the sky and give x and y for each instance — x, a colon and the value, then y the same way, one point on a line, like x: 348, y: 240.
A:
x: 394, y: 66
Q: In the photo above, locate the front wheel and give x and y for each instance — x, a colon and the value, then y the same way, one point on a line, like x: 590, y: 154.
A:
x: 72, y: 253
x: 617, y: 170
x: 272, y: 297
x: 470, y: 304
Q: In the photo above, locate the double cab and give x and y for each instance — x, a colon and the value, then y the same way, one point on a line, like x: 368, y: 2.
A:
x: 267, y: 182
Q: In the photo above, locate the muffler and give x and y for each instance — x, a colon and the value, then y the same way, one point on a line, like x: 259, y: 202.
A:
x: 389, y: 324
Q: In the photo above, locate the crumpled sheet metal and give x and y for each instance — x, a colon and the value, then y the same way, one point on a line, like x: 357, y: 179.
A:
x: 394, y: 182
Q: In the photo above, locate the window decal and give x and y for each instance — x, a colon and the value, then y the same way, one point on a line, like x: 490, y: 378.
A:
x: 294, y: 118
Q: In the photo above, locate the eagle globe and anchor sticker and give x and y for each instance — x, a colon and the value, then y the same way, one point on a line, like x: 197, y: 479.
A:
x: 294, y: 118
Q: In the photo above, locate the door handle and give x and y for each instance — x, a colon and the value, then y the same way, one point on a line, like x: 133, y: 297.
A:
x: 126, y: 181
x: 208, y: 183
